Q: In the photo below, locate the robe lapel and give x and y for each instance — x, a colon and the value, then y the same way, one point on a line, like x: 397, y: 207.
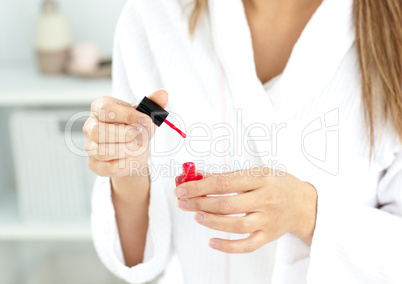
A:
x: 317, y: 54
x: 233, y: 44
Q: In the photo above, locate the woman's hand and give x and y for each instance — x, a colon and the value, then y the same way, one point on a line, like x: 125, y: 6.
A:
x: 118, y: 136
x: 117, y: 143
x: 274, y: 203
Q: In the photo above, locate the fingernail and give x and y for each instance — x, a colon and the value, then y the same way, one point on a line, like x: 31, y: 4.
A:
x: 213, y: 244
x: 144, y: 121
x: 181, y: 192
x: 135, y: 142
x: 138, y: 130
x: 183, y: 204
x: 200, y: 218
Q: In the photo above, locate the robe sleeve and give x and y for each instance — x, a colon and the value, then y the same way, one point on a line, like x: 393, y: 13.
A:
x: 360, y: 244
x: 158, y: 249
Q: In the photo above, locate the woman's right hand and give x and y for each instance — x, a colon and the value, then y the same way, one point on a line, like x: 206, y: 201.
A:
x: 118, y: 136
x: 118, y: 146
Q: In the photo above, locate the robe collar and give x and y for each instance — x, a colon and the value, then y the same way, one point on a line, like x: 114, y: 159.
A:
x: 315, y: 57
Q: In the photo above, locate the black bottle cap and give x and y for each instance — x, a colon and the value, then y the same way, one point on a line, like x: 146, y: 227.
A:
x: 154, y: 111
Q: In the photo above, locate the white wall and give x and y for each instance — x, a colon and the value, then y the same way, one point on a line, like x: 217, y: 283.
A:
x: 93, y: 20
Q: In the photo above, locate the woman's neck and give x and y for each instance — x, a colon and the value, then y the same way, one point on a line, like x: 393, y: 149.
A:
x: 279, y: 7
x: 275, y: 26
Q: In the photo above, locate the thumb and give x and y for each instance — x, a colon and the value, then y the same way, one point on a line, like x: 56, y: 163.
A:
x: 207, y: 174
x: 160, y: 97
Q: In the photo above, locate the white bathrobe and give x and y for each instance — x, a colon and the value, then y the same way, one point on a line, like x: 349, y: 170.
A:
x: 308, y: 121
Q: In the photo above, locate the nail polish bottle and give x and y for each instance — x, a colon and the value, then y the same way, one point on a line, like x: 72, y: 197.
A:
x: 189, y: 174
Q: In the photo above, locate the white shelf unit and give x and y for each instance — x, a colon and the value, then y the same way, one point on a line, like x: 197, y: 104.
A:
x: 22, y: 86
x: 14, y: 229
x: 33, y: 252
x: 33, y: 246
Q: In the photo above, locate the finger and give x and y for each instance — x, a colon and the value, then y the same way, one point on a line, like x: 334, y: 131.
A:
x: 207, y: 174
x: 109, y: 99
x: 117, y: 168
x: 239, y: 225
x: 223, y: 205
x: 221, y: 184
x: 250, y: 244
x: 108, y: 152
x: 101, y: 132
x: 112, y: 110
x: 160, y: 97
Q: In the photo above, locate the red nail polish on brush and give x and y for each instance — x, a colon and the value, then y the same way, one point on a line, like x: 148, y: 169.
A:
x: 189, y: 174
x: 157, y: 114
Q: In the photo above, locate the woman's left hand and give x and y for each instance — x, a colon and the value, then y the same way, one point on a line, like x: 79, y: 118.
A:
x: 274, y: 203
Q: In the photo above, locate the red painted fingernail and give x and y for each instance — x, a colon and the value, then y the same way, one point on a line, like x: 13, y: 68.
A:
x: 213, y: 244
x: 200, y: 218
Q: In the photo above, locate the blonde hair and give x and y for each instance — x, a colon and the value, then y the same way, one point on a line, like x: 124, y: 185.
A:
x: 378, y: 29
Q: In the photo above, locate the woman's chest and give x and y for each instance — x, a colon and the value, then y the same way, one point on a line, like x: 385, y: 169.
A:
x: 316, y: 138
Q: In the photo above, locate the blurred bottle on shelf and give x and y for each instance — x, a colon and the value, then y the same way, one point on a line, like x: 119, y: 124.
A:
x: 52, y: 39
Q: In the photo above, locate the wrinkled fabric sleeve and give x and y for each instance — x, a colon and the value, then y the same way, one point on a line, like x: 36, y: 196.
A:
x: 360, y: 244
x: 352, y: 243
x: 158, y: 249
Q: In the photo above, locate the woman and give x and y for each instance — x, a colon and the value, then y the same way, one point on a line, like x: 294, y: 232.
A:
x: 293, y: 110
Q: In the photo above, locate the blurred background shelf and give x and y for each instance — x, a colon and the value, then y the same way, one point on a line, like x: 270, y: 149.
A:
x: 12, y: 228
x: 23, y: 85
x: 56, y: 250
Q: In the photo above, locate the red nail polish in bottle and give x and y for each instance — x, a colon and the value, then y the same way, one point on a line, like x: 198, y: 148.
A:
x: 189, y: 174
